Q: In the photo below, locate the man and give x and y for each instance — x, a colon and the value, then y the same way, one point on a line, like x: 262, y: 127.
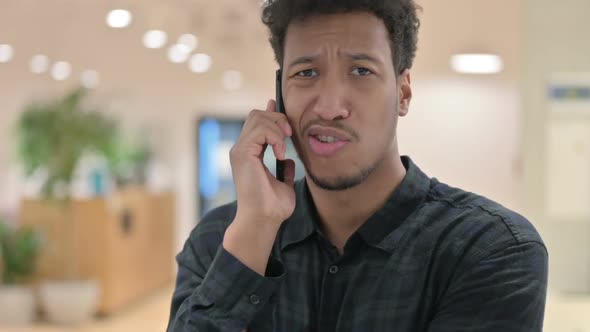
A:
x: 366, y: 241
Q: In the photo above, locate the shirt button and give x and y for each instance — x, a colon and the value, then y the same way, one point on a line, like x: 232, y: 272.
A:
x: 254, y: 299
x: 333, y: 269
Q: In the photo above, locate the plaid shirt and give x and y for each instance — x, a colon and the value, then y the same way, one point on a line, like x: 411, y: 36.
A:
x: 433, y: 258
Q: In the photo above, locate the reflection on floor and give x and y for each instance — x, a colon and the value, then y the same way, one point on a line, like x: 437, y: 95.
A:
x: 565, y: 313
x: 149, y: 315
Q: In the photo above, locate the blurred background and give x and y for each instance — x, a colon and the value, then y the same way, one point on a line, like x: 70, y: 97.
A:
x: 116, y: 118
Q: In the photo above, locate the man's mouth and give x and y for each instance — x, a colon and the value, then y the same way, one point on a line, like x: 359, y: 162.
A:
x: 325, y: 141
x: 328, y: 134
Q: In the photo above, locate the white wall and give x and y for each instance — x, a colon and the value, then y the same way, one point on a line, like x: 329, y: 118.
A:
x: 465, y: 132
x: 555, y: 35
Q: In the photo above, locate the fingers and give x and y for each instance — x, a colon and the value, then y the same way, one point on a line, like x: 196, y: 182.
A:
x: 285, y: 126
x: 263, y: 128
x: 266, y: 128
x: 270, y: 134
x: 290, y: 172
x: 271, y: 107
x: 253, y: 142
x: 256, y: 117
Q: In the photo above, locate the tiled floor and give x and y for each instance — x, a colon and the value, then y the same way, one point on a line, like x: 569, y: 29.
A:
x: 565, y: 313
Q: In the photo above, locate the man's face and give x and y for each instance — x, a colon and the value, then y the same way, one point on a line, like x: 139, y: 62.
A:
x: 341, y: 96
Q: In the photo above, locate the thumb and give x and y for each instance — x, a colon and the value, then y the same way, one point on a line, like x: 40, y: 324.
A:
x: 289, y: 172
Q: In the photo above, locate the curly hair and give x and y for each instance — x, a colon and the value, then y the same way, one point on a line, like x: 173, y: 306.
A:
x: 399, y: 16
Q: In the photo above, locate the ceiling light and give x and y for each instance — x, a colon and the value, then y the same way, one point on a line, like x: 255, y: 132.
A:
x: 154, y: 39
x: 189, y: 40
x: 89, y: 79
x: 477, y: 63
x: 6, y: 53
x: 178, y: 53
x: 232, y: 80
x: 39, y: 64
x: 119, y: 18
x: 200, y: 63
x: 61, y: 70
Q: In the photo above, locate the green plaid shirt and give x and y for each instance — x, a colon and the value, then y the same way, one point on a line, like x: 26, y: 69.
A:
x: 433, y: 258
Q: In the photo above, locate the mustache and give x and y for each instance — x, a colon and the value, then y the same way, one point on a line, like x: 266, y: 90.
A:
x: 331, y: 124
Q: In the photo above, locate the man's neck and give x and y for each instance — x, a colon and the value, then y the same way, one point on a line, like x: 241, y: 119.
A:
x: 341, y: 213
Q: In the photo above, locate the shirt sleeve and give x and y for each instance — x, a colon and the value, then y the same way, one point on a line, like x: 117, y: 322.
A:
x: 504, y: 291
x: 214, y: 290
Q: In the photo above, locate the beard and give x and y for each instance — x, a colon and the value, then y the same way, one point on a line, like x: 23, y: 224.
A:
x: 340, y: 183
x: 336, y: 183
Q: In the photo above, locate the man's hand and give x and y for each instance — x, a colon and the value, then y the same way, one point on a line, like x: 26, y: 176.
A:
x: 263, y: 201
x: 261, y: 197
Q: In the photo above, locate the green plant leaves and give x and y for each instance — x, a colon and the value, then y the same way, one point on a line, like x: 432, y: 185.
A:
x: 18, y: 252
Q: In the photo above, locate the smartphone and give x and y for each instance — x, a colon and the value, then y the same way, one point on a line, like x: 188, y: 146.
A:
x: 280, y: 164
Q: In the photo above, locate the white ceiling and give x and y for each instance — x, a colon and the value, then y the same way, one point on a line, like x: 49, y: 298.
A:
x: 229, y: 30
x: 75, y: 31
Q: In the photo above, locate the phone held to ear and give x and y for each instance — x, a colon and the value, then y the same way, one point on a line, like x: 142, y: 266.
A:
x: 280, y: 164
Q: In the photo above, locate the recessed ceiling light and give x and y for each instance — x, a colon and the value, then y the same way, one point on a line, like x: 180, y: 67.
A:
x: 6, y: 53
x: 119, y: 18
x: 39, y: 64
x: 89, y: 79
x: 189, y: 40
x: 200, y: 63
x: 232, y: 80
x: 155, y: 39
x: 61, y: 70
x: 477, y: 63
x: 178, y: 53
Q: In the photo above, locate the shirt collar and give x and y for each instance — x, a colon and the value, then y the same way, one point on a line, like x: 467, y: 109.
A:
x: 406, y: 198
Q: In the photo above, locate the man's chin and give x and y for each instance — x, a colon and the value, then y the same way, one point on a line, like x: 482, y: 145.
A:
x: 336, y: 183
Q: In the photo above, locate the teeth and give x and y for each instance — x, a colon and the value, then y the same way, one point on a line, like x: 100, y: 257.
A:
x: 328, y: 139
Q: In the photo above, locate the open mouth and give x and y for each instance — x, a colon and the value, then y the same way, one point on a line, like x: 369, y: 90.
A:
x: 326, y: 141
x: 326, y: 145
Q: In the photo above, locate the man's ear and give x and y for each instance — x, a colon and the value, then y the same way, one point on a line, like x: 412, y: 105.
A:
x: 405, y: 92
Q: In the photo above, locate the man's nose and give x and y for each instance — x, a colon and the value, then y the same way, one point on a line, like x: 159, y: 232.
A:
x: 331, y: 100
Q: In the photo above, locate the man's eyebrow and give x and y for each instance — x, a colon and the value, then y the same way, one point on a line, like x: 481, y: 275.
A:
x: 302, y: 60
x: 354, y: 56
x: 363, y: 56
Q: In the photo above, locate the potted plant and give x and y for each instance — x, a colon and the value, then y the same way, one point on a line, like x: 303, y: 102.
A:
x: 54, y: 136
x: 18, y: 253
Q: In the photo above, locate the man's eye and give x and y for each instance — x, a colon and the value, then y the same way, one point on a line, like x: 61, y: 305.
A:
x: 307, y: 73
x: 361, y: 71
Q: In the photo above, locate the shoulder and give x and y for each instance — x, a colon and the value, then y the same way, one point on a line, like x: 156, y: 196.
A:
x: 474, y: 226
